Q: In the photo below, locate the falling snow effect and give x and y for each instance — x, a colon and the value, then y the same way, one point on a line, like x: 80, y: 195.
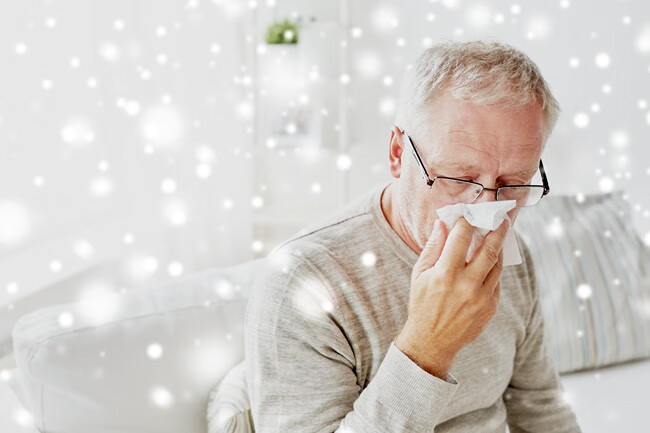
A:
x: 179, y: 140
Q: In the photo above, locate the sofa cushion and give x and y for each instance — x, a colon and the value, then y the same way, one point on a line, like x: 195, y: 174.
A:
x: 593, y: 272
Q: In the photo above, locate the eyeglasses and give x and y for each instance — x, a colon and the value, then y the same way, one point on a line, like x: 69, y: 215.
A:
x: 452, y: 190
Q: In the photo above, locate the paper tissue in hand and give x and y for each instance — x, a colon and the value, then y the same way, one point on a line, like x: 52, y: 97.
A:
x: 485, y: 216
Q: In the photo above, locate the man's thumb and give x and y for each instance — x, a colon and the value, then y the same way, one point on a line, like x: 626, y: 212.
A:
x: 433, y: 248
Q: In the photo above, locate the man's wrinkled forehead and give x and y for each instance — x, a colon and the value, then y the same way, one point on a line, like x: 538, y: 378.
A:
x: 454, y: 135
x: 464, y: 152
x: 456, y: 120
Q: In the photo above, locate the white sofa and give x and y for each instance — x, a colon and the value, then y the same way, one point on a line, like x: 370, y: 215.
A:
x: 142, y: 361
x: 146, y: 361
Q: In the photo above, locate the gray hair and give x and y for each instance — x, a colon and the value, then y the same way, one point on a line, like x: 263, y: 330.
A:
x: 484, y: 73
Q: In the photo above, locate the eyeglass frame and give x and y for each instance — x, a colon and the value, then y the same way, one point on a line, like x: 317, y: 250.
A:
x: 430, y: 181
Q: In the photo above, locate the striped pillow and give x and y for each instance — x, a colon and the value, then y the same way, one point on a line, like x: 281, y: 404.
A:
x: 593, y: 272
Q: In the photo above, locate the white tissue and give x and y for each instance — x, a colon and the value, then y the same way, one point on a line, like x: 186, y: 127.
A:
x: 485, y: 216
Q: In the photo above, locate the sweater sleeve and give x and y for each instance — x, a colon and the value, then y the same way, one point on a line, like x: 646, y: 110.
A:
x: 300, y: 366
x: 534, y: 397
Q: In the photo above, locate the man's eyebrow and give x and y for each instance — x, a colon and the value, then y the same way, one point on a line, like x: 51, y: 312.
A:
x: 463, y: 167
x: 456, y: 166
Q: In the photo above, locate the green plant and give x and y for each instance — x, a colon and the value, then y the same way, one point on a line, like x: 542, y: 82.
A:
x: 282, y: 32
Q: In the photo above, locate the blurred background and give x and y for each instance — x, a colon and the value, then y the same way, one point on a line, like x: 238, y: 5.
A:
x: 144, y: 140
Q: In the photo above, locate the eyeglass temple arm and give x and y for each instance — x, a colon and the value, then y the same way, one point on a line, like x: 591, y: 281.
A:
x: 547, y: 188
x: 425, y: 175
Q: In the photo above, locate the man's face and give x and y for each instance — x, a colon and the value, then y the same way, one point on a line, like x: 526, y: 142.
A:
x: 488, y: 145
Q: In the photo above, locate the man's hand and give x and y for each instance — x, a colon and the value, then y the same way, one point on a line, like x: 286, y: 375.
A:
x: 451, y: 301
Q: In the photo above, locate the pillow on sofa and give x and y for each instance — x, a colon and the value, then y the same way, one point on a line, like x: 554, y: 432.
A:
x: 593, y: 272
x: 229, y: 410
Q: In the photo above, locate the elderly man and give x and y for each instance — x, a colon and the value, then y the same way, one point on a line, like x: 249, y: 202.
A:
x: 372, y: 320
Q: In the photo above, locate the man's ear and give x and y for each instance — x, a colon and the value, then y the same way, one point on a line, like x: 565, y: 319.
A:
x: 395, y: 151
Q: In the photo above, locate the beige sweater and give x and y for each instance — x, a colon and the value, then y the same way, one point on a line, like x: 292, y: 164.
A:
x: 320, y: 356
